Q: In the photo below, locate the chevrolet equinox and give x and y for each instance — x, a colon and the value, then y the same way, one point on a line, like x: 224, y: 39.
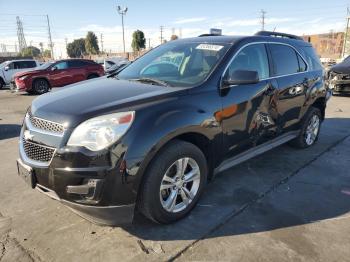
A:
x: 150, y: 137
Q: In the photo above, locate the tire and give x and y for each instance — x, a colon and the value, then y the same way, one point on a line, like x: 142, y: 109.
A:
x: 152, y: 201
x: 40, y: 86
x: 92, y: 76
x: 2, y: 83
x: 308, y: 136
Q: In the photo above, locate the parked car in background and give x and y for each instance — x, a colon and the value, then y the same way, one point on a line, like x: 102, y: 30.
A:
x: 56, y: 74
x: 9, y: 68
x: 339, y: 77
x: 150, y: 137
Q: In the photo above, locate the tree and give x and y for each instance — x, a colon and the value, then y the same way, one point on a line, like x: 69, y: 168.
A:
x: 31, y: 51
x: 138, y: 40
x: 76, y: 48
x: 46, y: 53
x: 91, y: 44
x: 174, y: 37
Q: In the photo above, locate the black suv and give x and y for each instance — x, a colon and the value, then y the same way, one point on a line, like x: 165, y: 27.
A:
x: 152, y: 136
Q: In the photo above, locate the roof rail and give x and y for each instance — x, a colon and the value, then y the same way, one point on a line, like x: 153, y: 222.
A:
x: 202, y: 35
x: 277, y: 34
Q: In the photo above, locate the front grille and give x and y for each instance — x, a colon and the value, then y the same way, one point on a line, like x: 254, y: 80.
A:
x: 45, y: 124
x: 37, y: 152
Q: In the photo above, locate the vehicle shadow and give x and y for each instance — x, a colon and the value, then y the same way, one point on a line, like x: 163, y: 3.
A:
x: 266, y: 193
x: 9, y: 131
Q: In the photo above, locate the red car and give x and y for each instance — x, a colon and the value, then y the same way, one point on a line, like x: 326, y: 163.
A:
x: 56, y: 74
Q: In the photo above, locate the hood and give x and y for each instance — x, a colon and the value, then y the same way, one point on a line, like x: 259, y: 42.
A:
x: 341, y: 68
x: 29, y: 71
x: 76, y: 103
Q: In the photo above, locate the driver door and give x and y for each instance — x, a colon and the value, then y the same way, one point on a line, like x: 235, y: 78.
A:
x: 249, y: 110
x: 60, y: 75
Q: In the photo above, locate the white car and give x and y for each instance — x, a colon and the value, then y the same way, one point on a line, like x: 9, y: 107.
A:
x: 9, y: 68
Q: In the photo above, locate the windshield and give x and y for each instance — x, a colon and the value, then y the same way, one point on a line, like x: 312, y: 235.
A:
x: 4, y: 64
x: 178, y: 64
x: 45, y: 66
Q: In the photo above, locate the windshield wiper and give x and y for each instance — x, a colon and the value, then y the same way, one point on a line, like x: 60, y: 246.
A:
x: 151, y: 80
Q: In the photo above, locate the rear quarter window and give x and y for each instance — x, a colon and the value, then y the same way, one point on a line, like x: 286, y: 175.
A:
x: 312, y: 58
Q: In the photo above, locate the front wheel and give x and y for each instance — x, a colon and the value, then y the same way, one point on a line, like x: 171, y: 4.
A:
x: 40, y: 86
x: 310, y: 129
x: 173, y: 182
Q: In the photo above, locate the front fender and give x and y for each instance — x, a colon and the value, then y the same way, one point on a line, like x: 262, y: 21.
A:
x: 158, y: 127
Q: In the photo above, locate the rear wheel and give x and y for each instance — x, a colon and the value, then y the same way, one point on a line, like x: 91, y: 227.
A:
x: 173, y: 182
x: 310, y: 129
x: 40, y: 86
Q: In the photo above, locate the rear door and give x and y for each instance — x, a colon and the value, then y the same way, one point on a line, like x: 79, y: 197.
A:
x: 291, y: 72
x: 77, y: 69
x: 248, y: 116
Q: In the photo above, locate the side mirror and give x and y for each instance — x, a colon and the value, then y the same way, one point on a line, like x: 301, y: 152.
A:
x: 53, y: 68
x: 241, y: 77
x: 7, y: 68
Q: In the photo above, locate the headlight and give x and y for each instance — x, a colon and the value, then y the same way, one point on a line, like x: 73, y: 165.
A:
x: 23, y: 77
x: 100, y: 132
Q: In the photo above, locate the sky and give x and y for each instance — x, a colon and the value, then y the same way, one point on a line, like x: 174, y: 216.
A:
x: 71, y: 19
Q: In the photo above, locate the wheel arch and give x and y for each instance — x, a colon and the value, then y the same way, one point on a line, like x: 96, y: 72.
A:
x: 198, y: 139
x: 320, y: 103
x: 41, y: 78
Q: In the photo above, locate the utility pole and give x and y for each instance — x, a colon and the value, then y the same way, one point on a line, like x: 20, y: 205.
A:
x: 149, y: 43
x: 122, y: 12
x: 50, y: 39
x: 263, y: 17
x: 346, y: 34
x: 180, y: 32
x: 66, y: 42
x: 161, y: 34
x: 20, y: 34
x: 101, y: 40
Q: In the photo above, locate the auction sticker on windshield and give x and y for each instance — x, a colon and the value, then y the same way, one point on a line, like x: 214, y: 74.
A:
x: 209, y: 47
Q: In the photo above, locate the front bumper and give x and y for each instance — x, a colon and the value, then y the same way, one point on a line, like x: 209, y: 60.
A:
x: 93, y: 184
x: 101, y: 215
x: 340, y: 85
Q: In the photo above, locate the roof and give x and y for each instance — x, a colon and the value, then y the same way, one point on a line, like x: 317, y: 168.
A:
x: 235, y: 39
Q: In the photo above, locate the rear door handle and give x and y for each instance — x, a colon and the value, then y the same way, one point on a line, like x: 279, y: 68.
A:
x: 296, y: 90
x: 270, y: 89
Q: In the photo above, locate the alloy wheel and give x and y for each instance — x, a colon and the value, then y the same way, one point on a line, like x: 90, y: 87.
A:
x: 312, y: 130
x: 180, y: 185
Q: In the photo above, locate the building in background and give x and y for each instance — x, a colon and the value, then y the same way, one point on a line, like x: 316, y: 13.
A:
x: 328, y: 45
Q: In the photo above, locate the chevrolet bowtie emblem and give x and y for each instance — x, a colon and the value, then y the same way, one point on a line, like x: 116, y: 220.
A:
x: 27, y: 135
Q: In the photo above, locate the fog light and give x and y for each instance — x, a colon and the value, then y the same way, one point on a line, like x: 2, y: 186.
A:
x: 89, y: 190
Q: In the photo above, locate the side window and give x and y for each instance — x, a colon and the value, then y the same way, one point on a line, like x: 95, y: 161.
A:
x: 312, y: 58
x: 11, y: 65
x: 17, y: 65
x: 62, y: 65
x: 285, y: 59
x: 253, y: 58
x: 302, y: 64
x: 27, y: 64
x: 75, y: 63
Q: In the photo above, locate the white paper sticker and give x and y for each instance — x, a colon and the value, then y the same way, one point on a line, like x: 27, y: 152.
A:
x: 209, y: 47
